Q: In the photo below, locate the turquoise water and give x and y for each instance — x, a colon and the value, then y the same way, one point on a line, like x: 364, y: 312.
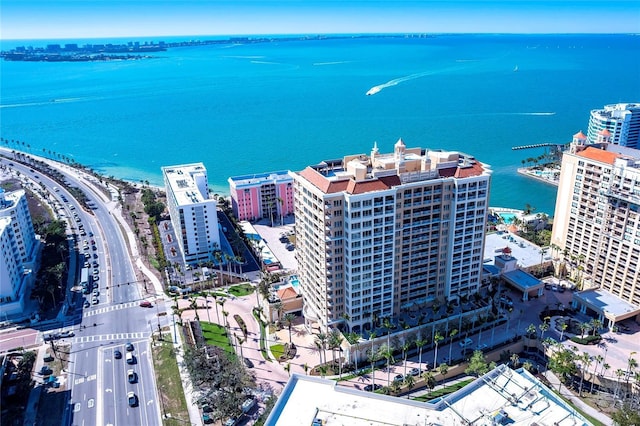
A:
x: 284, y: 105
x: 507, y: 217
x: 293, y: 279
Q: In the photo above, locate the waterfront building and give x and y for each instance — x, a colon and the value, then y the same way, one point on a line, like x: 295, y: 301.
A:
x: 597, y: 226
x: 193, y: 214
x: 621, y: 120
x: 380, y: 234
x: 18, y: 250
x: 13, y: 205
x: 262, y: 196
x: 502, y: 396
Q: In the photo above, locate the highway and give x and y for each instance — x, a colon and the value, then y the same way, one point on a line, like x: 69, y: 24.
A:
x: 97, y: 380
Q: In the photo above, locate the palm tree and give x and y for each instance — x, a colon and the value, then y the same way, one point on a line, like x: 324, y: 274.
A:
x: 595, y: 324
x: 586, y: 362
x: 563, y: 327
x: 354, y: 340
x: 334, y: 341
x: 430, y: 379
x: 419, y: 344
x: 436, y: 340
x: 405, y: 351
x: 288, y: 321
x: 278, y: 306
x: 583, y: 326
x: 599, y: 359
x: 321, y: 341
x: 515, y: 360
x: 373, y: 356
x: 386, y: 323
x: 452, y: 334
x: 387, y: 353
x: 443, y: 369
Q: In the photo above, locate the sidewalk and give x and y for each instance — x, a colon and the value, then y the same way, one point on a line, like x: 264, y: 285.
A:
x: 554, y: 382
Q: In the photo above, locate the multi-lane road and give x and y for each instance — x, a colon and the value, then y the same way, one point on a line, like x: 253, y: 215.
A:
x: 97, y: 379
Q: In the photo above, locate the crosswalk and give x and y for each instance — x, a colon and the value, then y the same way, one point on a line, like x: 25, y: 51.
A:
x: 111, y: 308
x: 111, y: 337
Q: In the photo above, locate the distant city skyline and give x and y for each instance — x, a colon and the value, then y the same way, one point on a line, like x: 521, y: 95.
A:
x: 77, y: 19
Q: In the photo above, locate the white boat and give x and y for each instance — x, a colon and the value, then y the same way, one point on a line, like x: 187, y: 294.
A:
x: 515, y: 69
x: 373, y: 90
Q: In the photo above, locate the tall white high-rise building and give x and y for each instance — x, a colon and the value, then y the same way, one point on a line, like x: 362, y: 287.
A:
x: 597, y: 224
x: 193, y: 214
x: 380, y: 233
x: 18, y: 250
x: 621, y: 120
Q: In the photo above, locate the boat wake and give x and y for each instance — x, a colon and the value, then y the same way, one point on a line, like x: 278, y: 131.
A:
x: 396, y: 81
x: 331, y: 63
x: 49, y: 102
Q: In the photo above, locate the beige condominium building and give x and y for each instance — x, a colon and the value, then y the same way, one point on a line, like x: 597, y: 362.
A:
x: 597, y: 225
x: 377, y: 234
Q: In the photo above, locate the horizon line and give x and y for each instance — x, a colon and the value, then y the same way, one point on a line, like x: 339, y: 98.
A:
x: 285, y: 35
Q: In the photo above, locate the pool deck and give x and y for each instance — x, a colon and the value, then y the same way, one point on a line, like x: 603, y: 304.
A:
x: 549, y: 179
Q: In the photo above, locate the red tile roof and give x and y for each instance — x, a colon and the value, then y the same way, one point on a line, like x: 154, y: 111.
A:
x: 600, y: 155
x: 287, y: 293
x: 579, y: 135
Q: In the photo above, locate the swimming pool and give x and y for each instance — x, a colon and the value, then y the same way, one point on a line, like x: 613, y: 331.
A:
x: 508, y: 217
x: 293, y: 279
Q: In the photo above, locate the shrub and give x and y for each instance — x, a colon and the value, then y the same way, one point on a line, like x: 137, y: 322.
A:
x: 588, y: 340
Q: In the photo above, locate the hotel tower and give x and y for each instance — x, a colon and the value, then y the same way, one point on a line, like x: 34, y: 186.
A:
x: 380, y: 233
x: 597, y: 225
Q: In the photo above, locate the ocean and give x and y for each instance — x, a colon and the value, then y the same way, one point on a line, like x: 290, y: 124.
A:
x: 258, y: 107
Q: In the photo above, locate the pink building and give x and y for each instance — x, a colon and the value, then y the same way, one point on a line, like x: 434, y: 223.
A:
x: 262, y: 196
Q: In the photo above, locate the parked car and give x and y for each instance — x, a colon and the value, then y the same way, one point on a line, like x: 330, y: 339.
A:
x: 414, y: 371
x: 117, y: 354
x: 466, y: 342
x: 132, y: 398
x: 146, y: 304
x: 129, y: 346
x: 371, y: 388
x: 398, y: 378
x: 86, y: 303
x: 66, y: 334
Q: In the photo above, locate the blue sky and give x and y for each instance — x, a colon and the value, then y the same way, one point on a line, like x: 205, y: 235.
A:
x: 33, y: 19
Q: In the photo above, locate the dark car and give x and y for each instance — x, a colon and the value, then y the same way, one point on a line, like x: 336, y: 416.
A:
x: 132, y: 377
x: 129, y: 346
x: 248, y: 362
x: 117, y: 354
x: 371, y: 388
x: 51, y: 337
x: 132, y: 398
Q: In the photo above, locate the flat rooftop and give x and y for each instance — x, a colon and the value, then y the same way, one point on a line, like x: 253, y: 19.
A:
x: 502, y: 396
x: 523, y: 280
x: 253, y: 179
x: 527, y: 253
x: 607, y: 303
x: 182, y: 181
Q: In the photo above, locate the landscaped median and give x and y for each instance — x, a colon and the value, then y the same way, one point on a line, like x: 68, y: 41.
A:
x: 170, y: 391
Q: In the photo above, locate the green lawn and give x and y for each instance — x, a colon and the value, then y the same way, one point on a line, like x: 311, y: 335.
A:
x: 216, y: 335
x: 277, y: 350
x: 444, y: 391
x: 241, y: 289
x: 169, y: 384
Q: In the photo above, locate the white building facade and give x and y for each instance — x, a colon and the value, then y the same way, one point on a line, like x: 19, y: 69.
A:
x: 621, y: 120
x: 379, y: 234
x: 193, y: 215
x: 18, y: 250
